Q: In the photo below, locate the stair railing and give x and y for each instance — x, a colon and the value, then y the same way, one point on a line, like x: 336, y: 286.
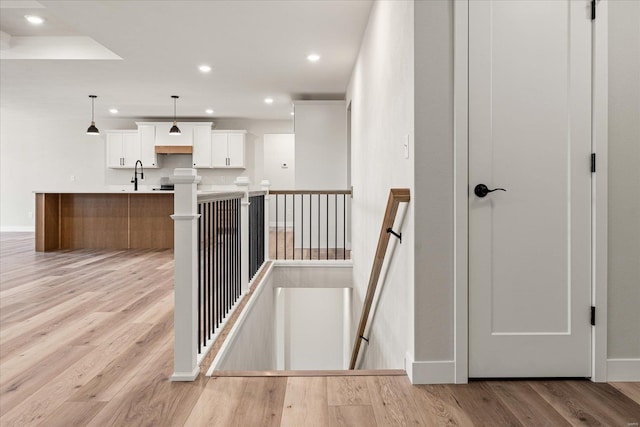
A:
x: 396, y: 196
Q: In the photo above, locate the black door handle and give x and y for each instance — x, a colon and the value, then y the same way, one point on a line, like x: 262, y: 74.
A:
x: 482, y: 190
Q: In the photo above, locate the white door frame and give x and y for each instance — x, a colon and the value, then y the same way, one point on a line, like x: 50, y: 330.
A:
x: 598, y: 188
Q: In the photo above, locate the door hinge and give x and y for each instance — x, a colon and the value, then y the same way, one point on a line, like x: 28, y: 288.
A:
x: 593, y: 9
x: 593, y: 162
x: 593, y: 316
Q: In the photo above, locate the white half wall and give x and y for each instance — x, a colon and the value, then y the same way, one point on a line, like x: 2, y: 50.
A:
x: 381, y: 95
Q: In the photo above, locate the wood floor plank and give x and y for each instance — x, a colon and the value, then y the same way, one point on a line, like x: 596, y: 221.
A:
x: 606, y: 403
x: 150, y: 398
x: 564, y: 400
x: 261, y: 402
x: 23, y: 384
x: 218, y: 403
x: 392, y: 401
x: 348, y: 391
x: 117, y: 373
x: 19, y: 359
x: 482, y: 405
x: 352, y: 416
x: 438, y: 406
x: 631, y: 390
x: 48, y: 398
x: 527, y: 405
x: 73, y: 414
x: 305, y: 402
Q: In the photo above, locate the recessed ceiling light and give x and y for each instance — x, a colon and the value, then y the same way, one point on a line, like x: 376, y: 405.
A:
x: 209, y: 111
x: 204, y: 68
x: 292, y: 113
x: 113, y: 110
x: 314, y: 57
x: 268, y: 100
x: 33, y: 19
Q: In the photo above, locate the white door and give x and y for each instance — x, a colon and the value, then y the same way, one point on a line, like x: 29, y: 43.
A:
x: 530, y: 133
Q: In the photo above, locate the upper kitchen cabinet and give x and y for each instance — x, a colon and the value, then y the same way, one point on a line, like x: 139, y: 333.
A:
x: 228, y: 147
x: 202, y: 147
x: 148, y: 154
x: 123, y: 148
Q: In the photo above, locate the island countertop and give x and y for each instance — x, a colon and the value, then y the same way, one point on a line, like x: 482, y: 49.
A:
x: 104, y: 219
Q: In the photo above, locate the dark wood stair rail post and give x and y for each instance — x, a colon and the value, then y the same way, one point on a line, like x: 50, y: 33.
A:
x: 396, y: 196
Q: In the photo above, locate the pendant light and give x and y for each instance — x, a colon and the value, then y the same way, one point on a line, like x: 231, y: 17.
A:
x: 92, y: 130
x: 175, y: 130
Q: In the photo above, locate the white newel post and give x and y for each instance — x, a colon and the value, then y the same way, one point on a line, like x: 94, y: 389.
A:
x: 185, y: 364
x: 265, y: 184
x: 243, y: 185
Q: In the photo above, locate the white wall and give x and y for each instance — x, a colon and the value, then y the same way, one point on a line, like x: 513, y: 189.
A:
x: 279, y: 149
x: 433, y: 199
x: 251, y: 343
x: 321, y: 145
x: 624, y: 180
x: 313, y: 328
x: 382, y: 115
x: 42, y: 154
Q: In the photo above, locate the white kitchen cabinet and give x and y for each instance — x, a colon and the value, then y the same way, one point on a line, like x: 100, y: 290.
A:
x: 148, y: 154
x: 228, y: 149
x: 123, y: 148
x: 202, y: 147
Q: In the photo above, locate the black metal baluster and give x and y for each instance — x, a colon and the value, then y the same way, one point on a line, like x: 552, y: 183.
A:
x: 318, y: 225
x: 211, y: 268
x: 327, y: 225
x: 276, y: 226
x: 301, y: 226
x: 199, y: 273
x: 226, y: 257
x: 293, y: 231
x: 344, y: 226
x: 310, y: 225
x: 335, y: 228
x: 218, y: 272
x: 285, y: 226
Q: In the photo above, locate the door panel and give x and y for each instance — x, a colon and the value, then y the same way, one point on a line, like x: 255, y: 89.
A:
x: 530, y: 133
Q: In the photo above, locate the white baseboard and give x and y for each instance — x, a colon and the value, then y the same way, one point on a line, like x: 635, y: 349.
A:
x: 623, y: 370
x: 185, y: 376
x: 430, y: 372
x: 18, y: 229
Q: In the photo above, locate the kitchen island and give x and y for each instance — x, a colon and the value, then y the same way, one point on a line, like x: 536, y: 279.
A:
x: 104, y: 220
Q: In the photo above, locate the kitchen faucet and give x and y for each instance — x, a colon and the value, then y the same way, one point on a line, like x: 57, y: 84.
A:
x: 134, y: 180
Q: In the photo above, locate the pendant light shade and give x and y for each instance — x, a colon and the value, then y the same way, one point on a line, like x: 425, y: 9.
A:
x: 175, y: 130
x: 92, y: 130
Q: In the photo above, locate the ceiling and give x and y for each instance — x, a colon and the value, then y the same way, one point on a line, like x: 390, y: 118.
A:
x: 135, y: 54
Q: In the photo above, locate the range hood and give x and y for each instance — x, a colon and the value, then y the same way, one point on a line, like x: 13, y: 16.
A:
x: 174, y: 149
x: 164, y: 143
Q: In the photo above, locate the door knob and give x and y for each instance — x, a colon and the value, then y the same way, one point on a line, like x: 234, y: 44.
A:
x: 482, y: 190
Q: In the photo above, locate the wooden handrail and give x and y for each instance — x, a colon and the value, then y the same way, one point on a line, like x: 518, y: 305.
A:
x: 396, y: 196
x: 309, y: 191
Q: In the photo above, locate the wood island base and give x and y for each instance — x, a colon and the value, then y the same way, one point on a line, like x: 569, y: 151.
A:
x: 103, y: 221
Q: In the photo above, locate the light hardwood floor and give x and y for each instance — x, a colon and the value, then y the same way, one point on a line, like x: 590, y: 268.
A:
x: 286, y: 251
x: 86, y: 338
